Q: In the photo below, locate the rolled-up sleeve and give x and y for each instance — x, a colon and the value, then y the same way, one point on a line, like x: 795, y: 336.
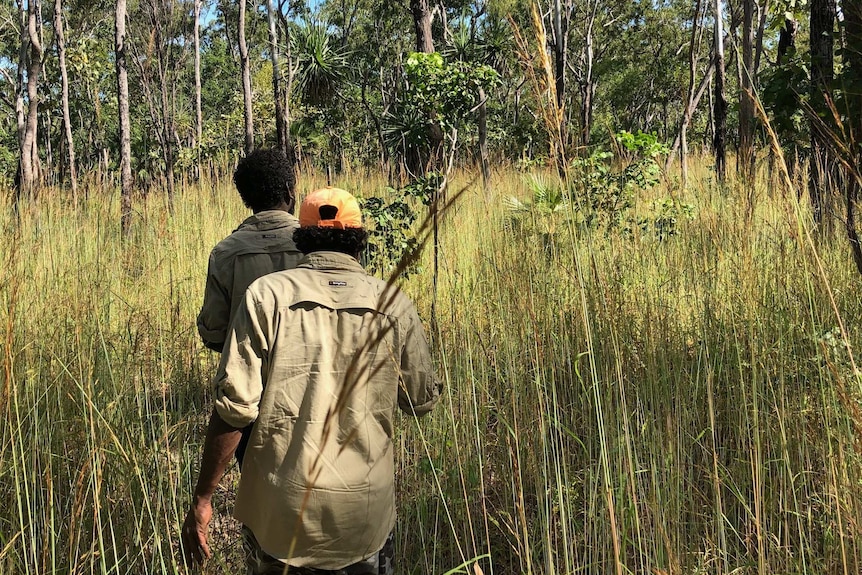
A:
x: 240, y: 379
x: 214, y: 317
x: 420, y: 388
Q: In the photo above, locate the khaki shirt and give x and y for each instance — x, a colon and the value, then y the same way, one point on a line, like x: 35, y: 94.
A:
x: 262, y: 244
x: 319, y: 357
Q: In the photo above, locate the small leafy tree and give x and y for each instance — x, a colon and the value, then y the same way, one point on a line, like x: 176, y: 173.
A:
x: 604, y: 186
x: 435, y: 91
x: 390, y: 223
x: 602, y: 194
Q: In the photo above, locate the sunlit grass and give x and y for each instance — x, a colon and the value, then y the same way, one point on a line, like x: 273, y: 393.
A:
x: 613, y: 404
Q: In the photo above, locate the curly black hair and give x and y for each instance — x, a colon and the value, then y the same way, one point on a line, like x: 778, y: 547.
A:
x: 350, y: 241
x: 265, y: 178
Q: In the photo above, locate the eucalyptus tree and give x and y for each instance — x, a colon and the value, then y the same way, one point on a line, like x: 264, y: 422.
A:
x: 124, y: 121
x: 377, y: 36
x: 30, y: 59
x: 853, y: 161
x: 245, y: 68
x: 720, y: 100
x: 281, y: 126
x: 9, y: 90
x: 822, y: 16
x: 423, y: 17
x: 746, y: 93
x: 60, y: 40
x: 695, y: 90
x: 160, y: 57
x: 560, y: 15
x: 199, y: 119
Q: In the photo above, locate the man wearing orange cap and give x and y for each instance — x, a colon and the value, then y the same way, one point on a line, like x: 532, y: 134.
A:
x: 318, y: 357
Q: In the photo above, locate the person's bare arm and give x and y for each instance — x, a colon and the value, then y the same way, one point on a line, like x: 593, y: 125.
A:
x: 219, y: 446
x: 419, y: 389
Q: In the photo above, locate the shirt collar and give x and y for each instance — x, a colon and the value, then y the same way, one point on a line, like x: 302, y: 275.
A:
x: 330, y: 260
x: 268, y: 220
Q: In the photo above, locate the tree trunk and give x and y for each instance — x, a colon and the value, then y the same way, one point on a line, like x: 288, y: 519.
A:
x: 280, y: 119
x: 422, y: 19
x: 705, y: 83
x: 246, y: 81
x: 199, y: 117
x: 588, y: 88
x: 853, y: 59
x: 787, y: 38
x: 719, y: 102
x: 378, y: 127
x: 822, y: 21
x: 125, y: 125
x: 20, y: 91
x: 762, y: 17
x: 64, y: 77
x: 482, y: 122
x: 29, y: 143
x: 561, y: 33
x: 162, y: 13
x: 746, y: 95
x: 693, y: 96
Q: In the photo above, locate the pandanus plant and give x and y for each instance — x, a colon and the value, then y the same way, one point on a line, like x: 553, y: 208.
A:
x: 321, y: 64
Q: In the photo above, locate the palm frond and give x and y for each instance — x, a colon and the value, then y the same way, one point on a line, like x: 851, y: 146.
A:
x: 321, y: 63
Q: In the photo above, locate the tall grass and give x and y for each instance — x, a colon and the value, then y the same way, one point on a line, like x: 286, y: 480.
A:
x: 613, y: 405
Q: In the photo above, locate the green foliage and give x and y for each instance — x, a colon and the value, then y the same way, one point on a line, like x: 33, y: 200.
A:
x: 602, y: 194
x: 605, y: 186
x: 321, y: 65
x: 449, y: 90
x: 641, y: 64
x: 663, y: 221
x: 8, y: 166
x: 436, y: 91
x: 784, y: 92
x: 543, y: 215
x: 390, y: 221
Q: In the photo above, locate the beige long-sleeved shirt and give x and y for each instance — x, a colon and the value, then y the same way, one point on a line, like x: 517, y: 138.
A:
x: 262, y: 244
x: 319, y: 357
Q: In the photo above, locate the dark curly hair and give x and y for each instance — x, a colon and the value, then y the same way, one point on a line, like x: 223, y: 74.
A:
x: 265, y: 178
x: 350, y: 241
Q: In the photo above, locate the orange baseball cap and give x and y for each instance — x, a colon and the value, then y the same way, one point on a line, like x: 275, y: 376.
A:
x: 331, y: 208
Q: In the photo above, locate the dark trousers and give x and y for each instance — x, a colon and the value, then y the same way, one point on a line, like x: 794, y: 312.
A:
x: 258, y: 562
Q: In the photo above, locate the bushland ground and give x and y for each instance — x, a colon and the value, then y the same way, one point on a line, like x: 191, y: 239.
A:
x: 614, y: 402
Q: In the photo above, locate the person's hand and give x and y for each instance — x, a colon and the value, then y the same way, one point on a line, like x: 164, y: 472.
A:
x: 194, y: 532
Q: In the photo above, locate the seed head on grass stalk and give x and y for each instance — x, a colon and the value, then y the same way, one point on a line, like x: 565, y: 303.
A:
x: 543, y: 84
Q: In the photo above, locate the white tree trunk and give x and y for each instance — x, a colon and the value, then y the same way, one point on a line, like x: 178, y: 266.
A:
x: 29, y: 144
x: 64, y: 77
x: 123, y: 111
x: 280, y: 120
x: 246, y: 81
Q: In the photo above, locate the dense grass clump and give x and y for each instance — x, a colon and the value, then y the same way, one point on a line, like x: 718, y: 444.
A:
x: 615, y: 403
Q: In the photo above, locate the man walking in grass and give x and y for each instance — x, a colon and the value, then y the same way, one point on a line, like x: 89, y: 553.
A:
x: 318, y: 358
x: 262, y: 244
